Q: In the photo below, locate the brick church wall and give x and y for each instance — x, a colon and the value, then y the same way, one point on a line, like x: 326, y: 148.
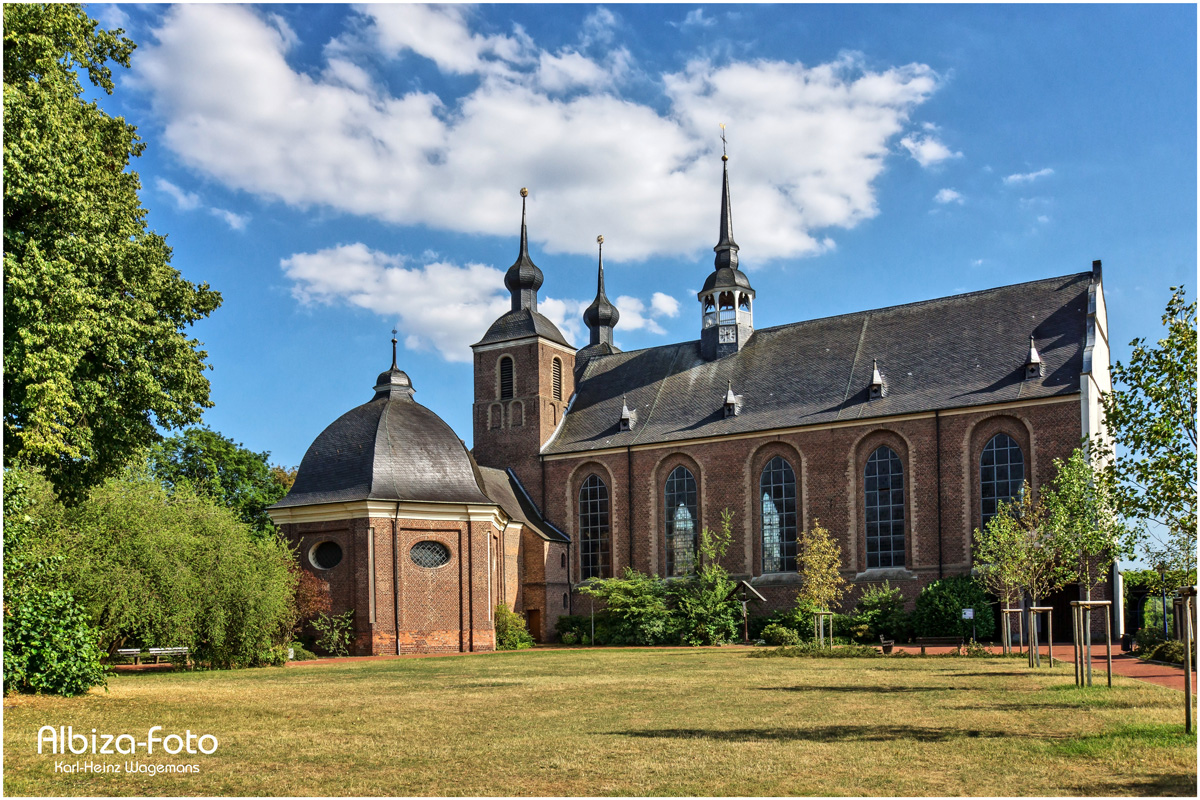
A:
x: 829, y: 465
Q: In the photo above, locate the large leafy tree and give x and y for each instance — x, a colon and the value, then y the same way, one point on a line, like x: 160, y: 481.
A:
x: 220, y: 468
x: 94, y: 351
x: 1151, y: 419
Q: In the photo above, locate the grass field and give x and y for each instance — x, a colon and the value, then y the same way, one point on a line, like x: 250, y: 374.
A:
x: 641, y: 722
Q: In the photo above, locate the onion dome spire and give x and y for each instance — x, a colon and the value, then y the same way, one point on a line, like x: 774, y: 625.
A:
x: 393, y: 382
x: 727, y: 248
x: 523, y: 278
x: 601, y: 316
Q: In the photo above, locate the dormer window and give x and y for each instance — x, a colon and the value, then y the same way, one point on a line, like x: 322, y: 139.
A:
x: 733, y: 402
x: 1033, y: 362
x: 628, y: 417
x: 875, y: 390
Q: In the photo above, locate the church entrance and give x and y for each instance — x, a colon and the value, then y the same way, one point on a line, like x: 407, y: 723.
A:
x: 533, y: 621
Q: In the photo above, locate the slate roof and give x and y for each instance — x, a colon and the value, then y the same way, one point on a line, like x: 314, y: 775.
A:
x: 519, y: 324
x: 506, y: 491
x: 953, y: 352
x: 392, y: 448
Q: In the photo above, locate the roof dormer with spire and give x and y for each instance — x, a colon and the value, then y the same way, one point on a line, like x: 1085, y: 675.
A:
x: 726, y: 301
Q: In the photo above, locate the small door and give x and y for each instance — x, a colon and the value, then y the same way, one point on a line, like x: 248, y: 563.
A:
x: 533, y: 621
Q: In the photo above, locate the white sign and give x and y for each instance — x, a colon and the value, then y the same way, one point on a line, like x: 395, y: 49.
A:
x: 968, y: 613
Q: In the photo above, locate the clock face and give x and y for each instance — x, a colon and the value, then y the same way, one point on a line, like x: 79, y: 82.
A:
x: 728, y: 335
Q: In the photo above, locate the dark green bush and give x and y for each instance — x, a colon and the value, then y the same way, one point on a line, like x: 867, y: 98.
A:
x: 939, y: 609
x: 778, y: 635
x: 635, y: 610
x: 569, y: 637
x: 1171, y: 651
x: 881, y: 609
x: 1147, y: 640
x: 510, y: 630
x: 49, y: 646
x: 811, y: 650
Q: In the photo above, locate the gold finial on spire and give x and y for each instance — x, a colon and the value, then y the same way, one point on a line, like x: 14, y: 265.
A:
x: 524, y: 192
x: 724, y: 154
x: 600, y: 239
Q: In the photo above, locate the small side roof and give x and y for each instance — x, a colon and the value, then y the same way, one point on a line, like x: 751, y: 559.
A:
x: 505, y: 490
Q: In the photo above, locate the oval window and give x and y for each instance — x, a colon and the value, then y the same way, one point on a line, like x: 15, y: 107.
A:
x: 429, y: 554
x: 326, y: 555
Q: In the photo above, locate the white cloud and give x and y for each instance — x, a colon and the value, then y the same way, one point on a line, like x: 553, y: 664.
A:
x: 110, y: 15
x: 235, y: 221
x: 948, y: 196
x: 664, y: 304
x: 235, y: 110
x: 927, y: 150
x: 184, y: 200
x: 1043, y: 219
x: 440, y: 306
x: 1027, y: 177
x: 695, y: 19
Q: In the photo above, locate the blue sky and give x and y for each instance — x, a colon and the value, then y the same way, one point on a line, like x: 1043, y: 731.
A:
x: 335, y: 171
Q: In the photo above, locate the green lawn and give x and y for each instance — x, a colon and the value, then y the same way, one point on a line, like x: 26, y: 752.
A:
x: 640, y: 722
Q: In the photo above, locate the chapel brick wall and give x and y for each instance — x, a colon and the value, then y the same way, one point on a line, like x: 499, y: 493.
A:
x: 829, y: 465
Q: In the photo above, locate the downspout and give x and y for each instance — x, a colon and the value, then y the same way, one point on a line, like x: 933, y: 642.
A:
x: 470, y: 584
x: 629, y: 497
x: 937, y: 422
x: 396, y: 574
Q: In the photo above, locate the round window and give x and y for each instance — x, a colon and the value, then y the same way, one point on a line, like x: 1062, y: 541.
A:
x: 429, y: 554
x: 325, y: 555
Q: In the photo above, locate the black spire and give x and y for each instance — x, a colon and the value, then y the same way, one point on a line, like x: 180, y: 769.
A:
x: 601, y: 316
x: 393, y: 383
x: 523, y: 278
x: 727, y: 248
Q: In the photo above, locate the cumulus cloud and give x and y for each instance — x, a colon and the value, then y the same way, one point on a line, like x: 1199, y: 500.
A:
x: 1027, y: 177
x: 235, y: 221
x: 807, y: 142
x: 440, y: 306
x: 948, y: 196
x: 927, y: 150
x: 695, y: 19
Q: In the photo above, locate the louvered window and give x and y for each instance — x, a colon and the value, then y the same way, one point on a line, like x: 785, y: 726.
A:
x: 506, y: 378
x: 557, y: 369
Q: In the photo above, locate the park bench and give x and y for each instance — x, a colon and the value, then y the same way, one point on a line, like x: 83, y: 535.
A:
x: 886, y: 644
x: 170, y: 652
x: 939, y: 641
x: 130, y: 652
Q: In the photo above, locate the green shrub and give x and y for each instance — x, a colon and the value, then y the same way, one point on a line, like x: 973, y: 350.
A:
x: 569, y: 637
x: 703, y: 609
x: 335, y: 633
x: 812, y: 650
x: 881, y: 609
x: 939, y: 608
x: 1172, y: 651
x: 572, y: 623
x: 777, y: 635
x: 49, y: 646
x: 510, y: 629
x: 635, y: 610
x: 1147, y: 640
x: 584, y: 639
x: 301, y: 653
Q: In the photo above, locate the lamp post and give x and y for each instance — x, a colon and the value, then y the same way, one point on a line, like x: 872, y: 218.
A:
x: 1162, y: 583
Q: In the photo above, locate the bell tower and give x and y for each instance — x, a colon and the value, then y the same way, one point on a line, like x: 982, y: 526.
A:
x: 727, y: 299
x: 524, y: 377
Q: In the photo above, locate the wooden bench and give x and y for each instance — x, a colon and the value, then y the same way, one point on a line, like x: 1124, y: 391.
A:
x: 886, y: 644
x: 939, y: 641
x: 130, y: 652
x: 170, y: 652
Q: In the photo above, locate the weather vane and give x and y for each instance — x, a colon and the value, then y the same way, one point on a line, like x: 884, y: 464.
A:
x: 724, y: 154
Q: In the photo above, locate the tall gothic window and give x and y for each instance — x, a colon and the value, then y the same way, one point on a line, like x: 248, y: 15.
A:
x: 681, y: 517
x: 883, y: 482
x: 593, y: 529
x: 506, y: 378
x: 777, y: 487
x: 556, y: 369
x: 1001, y: 474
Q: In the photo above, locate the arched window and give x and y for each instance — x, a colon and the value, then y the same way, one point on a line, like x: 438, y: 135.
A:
x: 883, y: 482
x: 777, y: 488
x: 506, y: 378
x: 593, y: 528
x: 1001, y: 474
x: 516, y: 414
x: 556, y: 378
x: 681, y: 513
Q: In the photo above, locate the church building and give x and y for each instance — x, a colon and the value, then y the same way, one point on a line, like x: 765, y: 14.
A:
x: 899, y: 429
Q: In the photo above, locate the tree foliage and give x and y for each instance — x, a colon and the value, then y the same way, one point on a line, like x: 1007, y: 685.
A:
x: 1081, y: 518
x: 636, y: 608
x: 219, y: 468
x: 1151, y: 420
x: 704, y: 610
x: 94, y: 351
x: 819, y: 560
x: 160, y: 570
x: 939, y: 606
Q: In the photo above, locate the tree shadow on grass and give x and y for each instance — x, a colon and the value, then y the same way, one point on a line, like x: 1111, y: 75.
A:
x: 825, y: 733
x: 1139, y: 786
x: 871, y: 689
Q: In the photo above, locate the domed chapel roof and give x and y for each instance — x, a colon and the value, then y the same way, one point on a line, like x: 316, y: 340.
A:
x: 391, y: 448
